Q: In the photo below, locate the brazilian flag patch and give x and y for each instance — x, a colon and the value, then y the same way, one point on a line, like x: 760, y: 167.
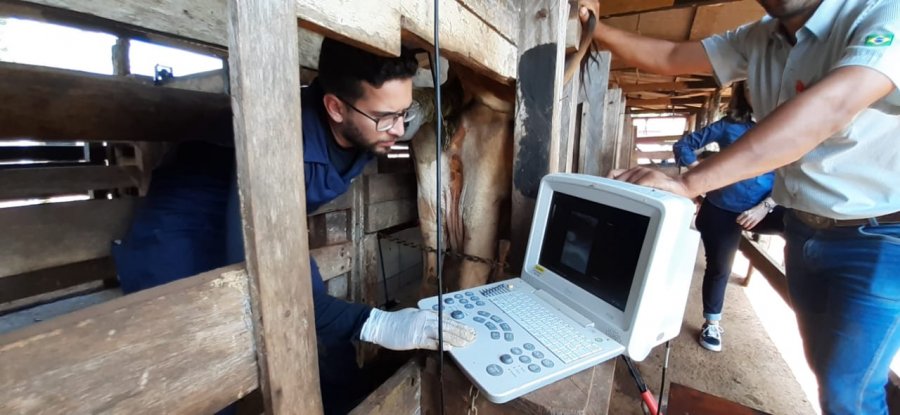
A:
x: 883, y: 39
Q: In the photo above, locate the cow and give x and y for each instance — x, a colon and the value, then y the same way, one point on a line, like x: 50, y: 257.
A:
x: 476, y: 170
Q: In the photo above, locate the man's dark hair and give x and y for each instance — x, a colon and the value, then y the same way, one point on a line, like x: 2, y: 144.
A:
x: 739, y: 109
x: 342, y: 68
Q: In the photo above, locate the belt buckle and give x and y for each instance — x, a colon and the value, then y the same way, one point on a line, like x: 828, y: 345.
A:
x: 815, y: 221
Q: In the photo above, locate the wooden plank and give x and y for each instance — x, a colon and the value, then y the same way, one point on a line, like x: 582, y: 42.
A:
x: 35, y: 182
x: 181, y: 348
x: 333, y: 260
x: 655, y: 155
x: 376, y: 26
x: 766, y: 266
x: 399, y: 395
x: 667, y: 101
x: 38, y: 282
x: 501, y: 15
x: 568, y: 136
x: 593, y: 114
x: 658, y: 140
x: 465, y: 38
x: 537, y: 126
x: 265, y: 86
x: 159, y: 21
x: 719, y: 18
x: 609, y: 140
x: 625, y: 7
x: 391, y: 186
x: 370, y: 25
x: 686, y: 400
x: 342, y: 202
x: 626, y: 149
x: 56, y: 104
x: 618, y: 7
x: 384, y: 215
x: 49, y: 235
x: 669, y: 86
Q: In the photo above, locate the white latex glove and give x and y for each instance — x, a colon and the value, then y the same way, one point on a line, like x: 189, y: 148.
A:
x: 411, y: 328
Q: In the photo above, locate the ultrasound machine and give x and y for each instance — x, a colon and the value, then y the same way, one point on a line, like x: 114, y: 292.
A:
x: 606, y: 272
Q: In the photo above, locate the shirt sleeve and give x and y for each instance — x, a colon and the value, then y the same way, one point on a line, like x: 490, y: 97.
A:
x: 337, y: 321
x: 729, y: 53
x: 875, y: 43
x: 685, y: 147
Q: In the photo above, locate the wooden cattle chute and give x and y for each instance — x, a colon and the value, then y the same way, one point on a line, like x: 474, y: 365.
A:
x: 198, y: 344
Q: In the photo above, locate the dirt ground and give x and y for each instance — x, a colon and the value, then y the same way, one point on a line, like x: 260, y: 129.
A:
x: 749, y: 370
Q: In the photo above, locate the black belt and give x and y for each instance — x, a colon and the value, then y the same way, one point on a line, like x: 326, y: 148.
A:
x: 821, y: 222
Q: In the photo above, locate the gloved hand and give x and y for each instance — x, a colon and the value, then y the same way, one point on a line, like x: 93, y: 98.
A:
x: 410, y: 328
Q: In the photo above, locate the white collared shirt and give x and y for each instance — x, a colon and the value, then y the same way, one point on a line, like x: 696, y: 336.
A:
x: 856, y: 172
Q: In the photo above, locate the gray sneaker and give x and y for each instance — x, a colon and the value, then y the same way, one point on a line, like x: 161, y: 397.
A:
x: 711, y: 337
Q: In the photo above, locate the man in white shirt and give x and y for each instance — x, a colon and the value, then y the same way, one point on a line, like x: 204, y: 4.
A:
x: 824, y: 77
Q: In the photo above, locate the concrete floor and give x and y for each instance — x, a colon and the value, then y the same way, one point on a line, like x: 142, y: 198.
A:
x: 751, y: 369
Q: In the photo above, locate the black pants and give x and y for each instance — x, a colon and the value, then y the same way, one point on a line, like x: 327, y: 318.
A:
x: 721, y: 235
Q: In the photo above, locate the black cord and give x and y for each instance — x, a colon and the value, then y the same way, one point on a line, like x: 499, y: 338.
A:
x: 388, y: 303
x: 436, y: 76
x: 662, y: 385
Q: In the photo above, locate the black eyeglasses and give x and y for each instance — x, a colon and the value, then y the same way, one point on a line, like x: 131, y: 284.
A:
x: 386, y: 122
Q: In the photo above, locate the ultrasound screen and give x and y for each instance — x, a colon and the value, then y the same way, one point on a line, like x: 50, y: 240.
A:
x: 594, y: 246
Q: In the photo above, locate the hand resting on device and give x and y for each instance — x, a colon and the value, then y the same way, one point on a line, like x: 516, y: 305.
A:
x: 411, y: 328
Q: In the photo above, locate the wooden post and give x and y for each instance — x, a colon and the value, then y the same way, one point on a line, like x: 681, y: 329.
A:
x: 265, y: 86
x: 568, y: 136
x: 539, y: 92
x: 626, y: 148
x: 120, y: 58
x: 592, y: 115
x: 611, y: 128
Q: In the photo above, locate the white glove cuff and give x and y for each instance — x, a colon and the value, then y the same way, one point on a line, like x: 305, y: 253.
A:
x: 371, y: 329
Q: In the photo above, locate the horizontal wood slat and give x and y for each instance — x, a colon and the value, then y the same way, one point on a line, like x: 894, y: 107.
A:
x: 182, y: 348
x: 36, y: 182
x: 44, y: 236
x: 333, y: 260
x: 51, y: 279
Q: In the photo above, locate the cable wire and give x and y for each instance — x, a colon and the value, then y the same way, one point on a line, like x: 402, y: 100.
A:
x: 436, y: 76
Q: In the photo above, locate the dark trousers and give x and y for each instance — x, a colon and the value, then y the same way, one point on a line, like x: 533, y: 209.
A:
x: 721, y: 235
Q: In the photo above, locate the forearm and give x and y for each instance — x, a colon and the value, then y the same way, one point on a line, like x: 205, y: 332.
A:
x: 658, y: 56
x: 792, y: 130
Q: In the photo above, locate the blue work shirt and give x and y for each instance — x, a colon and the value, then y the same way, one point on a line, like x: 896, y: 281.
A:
x: 190, y: 222
x: 739, y: 196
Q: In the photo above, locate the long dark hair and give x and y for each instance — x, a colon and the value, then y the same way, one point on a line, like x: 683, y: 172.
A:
x: 739, y: 109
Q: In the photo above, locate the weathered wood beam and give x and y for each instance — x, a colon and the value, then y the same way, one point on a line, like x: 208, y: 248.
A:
x: 667, y: 101
x: 55, y: 104
x: 384, y: 215
x: 501, y: 15
x: 539, y: 95
x: 265, y: 87
x: 612, y: 130
x: 593, y: 113
x: 655, y: 155
x: 333, y: 260
x: 181, y: 348
x: 657, y: 140
x: 762, y: 262
x: 42, y: 281
x: 44, y: 236
x: 399, y: 395
x: 377, y: 26
x: 45, y: 181
x: 611, y: 8
x: 668, y: 86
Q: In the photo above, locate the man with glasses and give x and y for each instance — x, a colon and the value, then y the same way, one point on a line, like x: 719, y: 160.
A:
x: 190, y: 221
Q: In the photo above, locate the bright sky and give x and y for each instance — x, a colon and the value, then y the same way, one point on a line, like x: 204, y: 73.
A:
x: 37, y: 43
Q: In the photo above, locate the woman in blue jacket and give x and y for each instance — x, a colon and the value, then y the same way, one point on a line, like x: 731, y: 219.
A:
x: 745, y: 205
